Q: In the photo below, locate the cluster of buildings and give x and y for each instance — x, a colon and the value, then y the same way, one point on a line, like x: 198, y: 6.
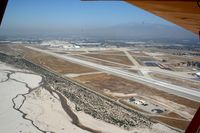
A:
x: 59, y: 44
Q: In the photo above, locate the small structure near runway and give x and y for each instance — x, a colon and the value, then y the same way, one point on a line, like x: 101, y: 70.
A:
x: 198, y: 74
x: 146, y: 105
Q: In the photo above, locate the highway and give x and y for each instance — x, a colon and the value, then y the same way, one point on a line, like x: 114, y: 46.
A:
x: 170, y: 88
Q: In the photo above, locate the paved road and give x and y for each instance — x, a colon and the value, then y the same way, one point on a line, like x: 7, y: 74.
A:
x: 131, y: 58
x: 173, y: 89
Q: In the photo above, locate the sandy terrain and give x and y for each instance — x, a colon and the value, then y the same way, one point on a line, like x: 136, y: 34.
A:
x: 11, y: 121
x: 3, y: 76
x: 49, y: 115
x: 31, y: 79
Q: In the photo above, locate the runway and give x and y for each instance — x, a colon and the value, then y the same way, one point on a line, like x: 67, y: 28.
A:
x: 170, y: 88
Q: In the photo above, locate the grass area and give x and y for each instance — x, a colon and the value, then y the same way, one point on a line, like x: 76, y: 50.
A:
x: 99, y: 82
x: 177, y: 81
x: 113, y: 58
x: 53, y: 63
x: 101, y: 62
x: 108, y: 52
x: 116, y: 84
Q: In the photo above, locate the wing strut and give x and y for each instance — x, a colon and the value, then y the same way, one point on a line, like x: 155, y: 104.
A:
x: 3, y: 4
x: 194, y: 126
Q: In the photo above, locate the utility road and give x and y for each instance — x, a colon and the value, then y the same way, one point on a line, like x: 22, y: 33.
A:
x: 170, y: 88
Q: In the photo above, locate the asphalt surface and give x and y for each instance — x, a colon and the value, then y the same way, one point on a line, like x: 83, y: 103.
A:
x: 170, y: 88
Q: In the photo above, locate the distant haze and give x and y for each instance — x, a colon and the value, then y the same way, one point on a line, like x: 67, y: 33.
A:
x: 123, y: 31
x: 106, y: 20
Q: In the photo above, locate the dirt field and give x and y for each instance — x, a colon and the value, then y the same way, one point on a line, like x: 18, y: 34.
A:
x: 120, y: 85
x: 177, y: 81
x: 54, y: 63
x: 7, y: 49
x: 100, y: 82
x: 102, y: 62
x: 108, y: 52
x: 114, y: 58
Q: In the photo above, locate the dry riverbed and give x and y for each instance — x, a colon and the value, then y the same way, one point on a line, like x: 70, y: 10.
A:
x: 27, y: 105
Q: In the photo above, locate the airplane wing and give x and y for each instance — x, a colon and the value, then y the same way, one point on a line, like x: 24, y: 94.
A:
x: 185, y: 13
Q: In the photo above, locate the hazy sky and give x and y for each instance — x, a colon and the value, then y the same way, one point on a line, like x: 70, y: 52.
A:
x: 72, y: 13
x: 66, y: 15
